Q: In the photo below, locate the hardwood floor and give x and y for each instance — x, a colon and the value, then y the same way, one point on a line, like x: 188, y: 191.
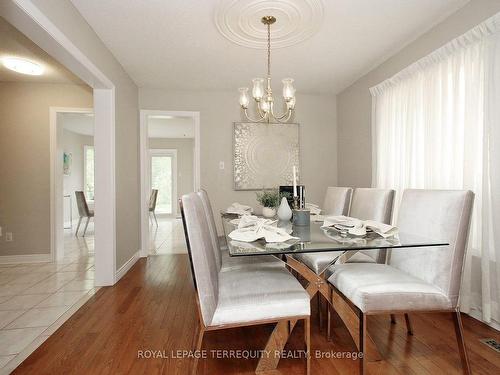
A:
x: 153, y: 308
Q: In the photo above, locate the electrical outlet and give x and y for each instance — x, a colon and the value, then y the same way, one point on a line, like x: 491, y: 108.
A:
x: 8, y: 237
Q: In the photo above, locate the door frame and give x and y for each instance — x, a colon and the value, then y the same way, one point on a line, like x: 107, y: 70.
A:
x: 144, y: 165
x: 29, y: 19
x: 166, y: 152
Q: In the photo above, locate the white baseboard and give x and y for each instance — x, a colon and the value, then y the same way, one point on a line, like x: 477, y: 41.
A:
x: 31, y: 258
x: 128, y: 265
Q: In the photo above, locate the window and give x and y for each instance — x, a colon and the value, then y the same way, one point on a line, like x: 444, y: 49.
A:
x: 88, y: 172
x: 435, y: 126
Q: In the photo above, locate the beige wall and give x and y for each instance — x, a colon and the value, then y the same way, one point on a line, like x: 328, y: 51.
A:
x: 354, y: 103
x: 218, y: 111
x: 185, y: 158
x: 74, y: 143
x: 65, y: 16
x: 25, y: 160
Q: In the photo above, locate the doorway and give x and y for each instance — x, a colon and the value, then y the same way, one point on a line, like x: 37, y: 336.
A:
x: 169, y: 168
x: 74, y: 178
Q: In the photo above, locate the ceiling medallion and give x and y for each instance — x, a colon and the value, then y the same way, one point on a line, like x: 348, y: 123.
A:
x: 239, y: 21
x: 262, y: 93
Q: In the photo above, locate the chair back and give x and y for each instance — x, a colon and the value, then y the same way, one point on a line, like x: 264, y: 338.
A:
x: 373, y: 204
x: 81, y: 202
x: 152, y: 199
x: 201, y: 254
x: 337, y: 200
x: 440, y: 215
x: 211, y: 225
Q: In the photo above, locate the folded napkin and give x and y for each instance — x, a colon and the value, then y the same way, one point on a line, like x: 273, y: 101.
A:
x: 313, y: 208
x: 356, y: 227
x: 239, y: 209
x: 251, y: 228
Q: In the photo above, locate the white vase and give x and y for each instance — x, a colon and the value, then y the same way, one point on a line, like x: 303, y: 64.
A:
x: 268, y: 212
x: 284, y: 210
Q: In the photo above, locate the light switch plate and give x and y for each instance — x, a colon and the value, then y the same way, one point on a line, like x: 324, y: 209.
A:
x: 221, y: 165
x: 8, y: 236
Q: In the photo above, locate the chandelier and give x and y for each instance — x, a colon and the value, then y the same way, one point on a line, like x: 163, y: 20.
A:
x: 264, y: 96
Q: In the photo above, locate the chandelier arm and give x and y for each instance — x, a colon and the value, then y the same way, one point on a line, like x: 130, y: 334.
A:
x: 287, y: 113
x: 261, y: 113
x: 284, y: 119
x: 261, y: 119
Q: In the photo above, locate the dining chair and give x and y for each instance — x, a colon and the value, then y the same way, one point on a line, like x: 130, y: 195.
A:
x: 152, y: 204
x: 83, y: 211
x: 413, y: 280
x: 366, y: 204
x: 312, y: 266
x: 237, y: 298
x: 370, y: 204
x: 219, y: 245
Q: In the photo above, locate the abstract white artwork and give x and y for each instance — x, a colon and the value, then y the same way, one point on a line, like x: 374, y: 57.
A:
x: 264, y: 155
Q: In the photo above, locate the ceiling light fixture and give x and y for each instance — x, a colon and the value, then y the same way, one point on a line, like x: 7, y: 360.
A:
x: 23, y: 66
x: 264, y: 96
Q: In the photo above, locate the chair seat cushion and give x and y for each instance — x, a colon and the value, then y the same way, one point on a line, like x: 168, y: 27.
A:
x: 247, y: 295
x: 318, y: 262
x: 259, y: 261
x: 358, y: 257
x: 379, y: 287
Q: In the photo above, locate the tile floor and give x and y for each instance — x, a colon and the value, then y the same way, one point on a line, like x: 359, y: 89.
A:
x: 37, y: 298
x: 167, y: 237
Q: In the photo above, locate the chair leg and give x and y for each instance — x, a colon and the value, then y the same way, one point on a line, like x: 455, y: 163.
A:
x: 362, y: 344
x: 393, y: 319
x: 409, y: 328
x: 457, y: 321
x: 320, y: 315
x: 86, y: 225
x: 154, y: 215
x: 307, y: 334
x: 78, y: 226
x: 199, y: 341
x: 328, y: 323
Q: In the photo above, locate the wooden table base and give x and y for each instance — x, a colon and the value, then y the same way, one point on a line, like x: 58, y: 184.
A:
x: 283, y: 329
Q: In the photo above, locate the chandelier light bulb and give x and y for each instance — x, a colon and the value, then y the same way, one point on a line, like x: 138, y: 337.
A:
x: 258, y: 88
x: 265, y: 106
x: 288, y: 89
x: 244, y: 98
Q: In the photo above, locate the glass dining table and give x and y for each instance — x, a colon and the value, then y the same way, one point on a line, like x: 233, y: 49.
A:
x: 314, y: 239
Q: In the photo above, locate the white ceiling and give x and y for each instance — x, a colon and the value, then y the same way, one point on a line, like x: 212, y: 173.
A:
x: 172, y: 127
x: 176, y: 44
x: 14, y: 43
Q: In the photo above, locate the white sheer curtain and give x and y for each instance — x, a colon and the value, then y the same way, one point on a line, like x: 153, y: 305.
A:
x: 436, y: 125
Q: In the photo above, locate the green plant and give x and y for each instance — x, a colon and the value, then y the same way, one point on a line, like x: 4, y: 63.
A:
x: 268, y: 198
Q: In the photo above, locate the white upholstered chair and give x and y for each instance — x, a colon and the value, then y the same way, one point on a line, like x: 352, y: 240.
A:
x: 222, y: 257
x: 418, y: 279
x: 237, y: 297
x: 337, y: 201
x: 371, y: 204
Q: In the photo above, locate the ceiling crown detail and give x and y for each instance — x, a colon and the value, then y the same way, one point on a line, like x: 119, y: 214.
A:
x: 239, y: 21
